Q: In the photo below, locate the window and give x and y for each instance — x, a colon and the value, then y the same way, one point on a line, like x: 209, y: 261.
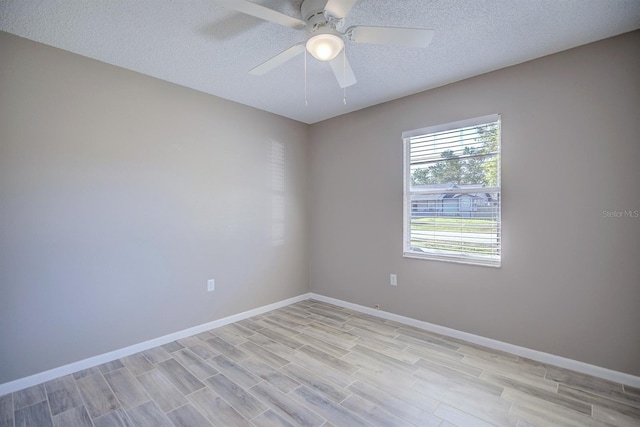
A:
x: 452, y: 192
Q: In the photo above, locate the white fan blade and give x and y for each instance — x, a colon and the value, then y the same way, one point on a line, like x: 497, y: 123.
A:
x: 343, y: 71
x: 278, y: 60
x: 262, y: 12
x: 414, y: 37
x: 339, y: 8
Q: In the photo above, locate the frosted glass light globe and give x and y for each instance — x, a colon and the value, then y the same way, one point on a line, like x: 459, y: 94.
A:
x: 325, y: 47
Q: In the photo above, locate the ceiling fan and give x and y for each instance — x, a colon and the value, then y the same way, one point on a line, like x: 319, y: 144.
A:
x: 323, y: 20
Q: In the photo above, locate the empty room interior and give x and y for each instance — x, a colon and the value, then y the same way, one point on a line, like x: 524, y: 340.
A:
x: 320, y: 213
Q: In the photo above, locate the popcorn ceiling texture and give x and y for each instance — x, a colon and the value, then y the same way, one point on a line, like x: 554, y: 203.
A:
x: 201, y: 45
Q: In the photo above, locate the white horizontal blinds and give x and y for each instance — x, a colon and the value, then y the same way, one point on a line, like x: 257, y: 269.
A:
x: 452, y: 192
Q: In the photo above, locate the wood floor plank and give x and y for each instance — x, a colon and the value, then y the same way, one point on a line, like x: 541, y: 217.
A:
x: 280, y: 338
x: 272, y: 376
x: 240, y: 330
x: 204, y: 351
x: 459, y: 418
x: 614, y: 417
x: 289, y: 331
x: 198, y: 367
x: 321, y: 345
x: 188, y: 416
x: 331, y: 411
x: 227, y: 349
x: 229, y: 335
x: 36, y: 415
x: 97, y: 395
x: 126, y: 388
x: 539, y: 412
x: 369, y: 339
x: 156, y: 355
x: 591, y: 384
x: 400, y: 390
x: 264, y: 354
x: 634, y: 391
x: 427, y: 337
x: 340, y: 378
x: 288, y: 319
x: 301, y: 312
x: 110, y: 366
x: 429, y: 346
x: 410, y: 412
x: 508, y: 379
x: 331, y: 330
x: 332, y: 339
x: 316, y: 382
x: 550, y: 397
x: 172, y: 346
x: 235, y: 371
x: 428, y: 359
x: 117, y: 418
x: 181, y: 378
x: 441, y: 375
x: 6, y: 410
x: 467, y: 397
x: 137, y: 364
x: 216, y: 410
x: 382, y: 359
x: 162, y: 390
x: 286, y: 407
x: 62, y: 394
x: 330, y: 314
x: 250, y: 324
x: 372, y: 365
x: 235, y: 395
x: 603, y: 402
x: 371, y: 328
x: 329, y: 360
x: 29, y: 396
x: 190, y: 341
x: 321, y: 320
x: 270, y: 419
x: 76, y: 417
x: 273, y: 346
x: 86, y: 372
x: 375, y: 415
x: 515, y: 367
x: 148, y: 415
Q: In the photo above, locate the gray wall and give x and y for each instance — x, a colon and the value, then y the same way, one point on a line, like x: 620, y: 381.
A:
x: 569, y: 283
x: 120, y: 195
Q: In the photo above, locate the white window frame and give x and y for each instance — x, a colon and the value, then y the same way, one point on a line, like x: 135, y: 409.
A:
x: 493, y: 260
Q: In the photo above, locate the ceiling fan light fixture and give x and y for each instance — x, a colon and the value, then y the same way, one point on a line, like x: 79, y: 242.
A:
x: 325, y: 47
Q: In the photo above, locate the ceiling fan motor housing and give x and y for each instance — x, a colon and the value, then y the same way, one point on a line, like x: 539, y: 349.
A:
x: 315, y: 16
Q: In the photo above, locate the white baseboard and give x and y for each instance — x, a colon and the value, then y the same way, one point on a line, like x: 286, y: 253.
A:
x: 51, y: 374
x: 539, y: 356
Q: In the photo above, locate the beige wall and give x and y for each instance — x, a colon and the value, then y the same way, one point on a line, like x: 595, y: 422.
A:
x: 570, y: 278
x: 120, y: 195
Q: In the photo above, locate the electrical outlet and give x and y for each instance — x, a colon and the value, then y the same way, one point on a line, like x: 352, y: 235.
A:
x: 211, y: 285
x: 393, y: 280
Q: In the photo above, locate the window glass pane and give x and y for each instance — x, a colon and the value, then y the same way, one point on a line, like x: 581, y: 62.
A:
x: 452, y: 193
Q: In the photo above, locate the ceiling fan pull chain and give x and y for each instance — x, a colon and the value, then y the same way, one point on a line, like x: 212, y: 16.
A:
x: 306, y: 102
x: 344, y: 74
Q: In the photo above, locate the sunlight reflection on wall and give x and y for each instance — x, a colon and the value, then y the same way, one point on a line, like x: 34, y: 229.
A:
x: 277, y: 193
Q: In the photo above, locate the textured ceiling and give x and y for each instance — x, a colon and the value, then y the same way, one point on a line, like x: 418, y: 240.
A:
x: 200, y: 45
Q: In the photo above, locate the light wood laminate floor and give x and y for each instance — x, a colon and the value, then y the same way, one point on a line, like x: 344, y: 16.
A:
x: 315, y: 364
